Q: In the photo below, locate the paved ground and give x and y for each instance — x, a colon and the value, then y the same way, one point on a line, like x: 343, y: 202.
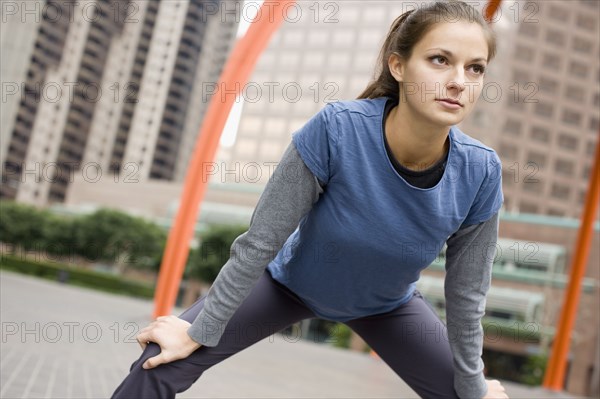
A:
x: 60, y: 341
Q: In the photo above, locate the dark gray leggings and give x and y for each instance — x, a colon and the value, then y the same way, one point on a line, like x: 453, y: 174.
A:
x: 411, y: 339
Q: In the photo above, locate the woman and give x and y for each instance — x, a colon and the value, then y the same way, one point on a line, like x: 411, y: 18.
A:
x: 363, y: 199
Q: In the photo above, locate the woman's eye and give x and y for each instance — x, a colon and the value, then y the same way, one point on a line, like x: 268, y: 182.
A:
x: 480, y: 69
x: 438, y: 57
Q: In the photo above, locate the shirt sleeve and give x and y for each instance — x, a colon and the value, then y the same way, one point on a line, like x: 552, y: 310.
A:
x: 287, y: 197
x: 469, y: 259
x: 489, y: 197
x: 316, y: 142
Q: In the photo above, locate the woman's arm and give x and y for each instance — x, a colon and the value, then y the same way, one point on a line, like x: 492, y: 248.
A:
x: 469, y: 258
x: 287, y: 197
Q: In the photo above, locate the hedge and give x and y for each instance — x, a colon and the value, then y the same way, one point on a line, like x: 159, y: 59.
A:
x: 78, y: 276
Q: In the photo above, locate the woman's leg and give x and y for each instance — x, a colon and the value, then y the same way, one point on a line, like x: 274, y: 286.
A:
x: 270, y: 307
x: 413, y: 341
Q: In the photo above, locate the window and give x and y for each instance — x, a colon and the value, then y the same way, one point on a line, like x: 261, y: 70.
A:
x: 558, y: 13
x: 585, y: 172
x: 552, y: 61
x: 345, y: 37
x: 536, y: 158
x: 513, y: 127
x: 524, y: 53
x: 597, y: 99
x: 564, y: 167
x: 586, y: 22
x: 521, y: 76
x: 516, y: 104
x: 508, y: 151
x: 575, y: 93
x: 544, y: 109
x: 567, y: 141
x: 560, y: 191
x: 529, y: 29
x: 532, y: 185
x: 548, y: 85
x: 594, y: 124
x: 571, y: 117
x: 582, y: 45
x: 578, y: 69
x: 555, y: 212
x: 555, y: 37
x: 528, y: 207
x: 540, y: 134
x: 293, y: 38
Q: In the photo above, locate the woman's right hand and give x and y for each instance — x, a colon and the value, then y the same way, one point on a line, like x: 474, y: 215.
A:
x: 170, y: 333
x: 495, y: 390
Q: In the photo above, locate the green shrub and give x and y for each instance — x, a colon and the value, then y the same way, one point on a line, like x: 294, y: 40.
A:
x: 339, y: 335
x: 78, y: 276
x: 206, y: 261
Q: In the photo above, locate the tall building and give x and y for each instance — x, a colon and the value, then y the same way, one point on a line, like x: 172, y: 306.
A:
x: 544, y: 123
x: 127, y: 82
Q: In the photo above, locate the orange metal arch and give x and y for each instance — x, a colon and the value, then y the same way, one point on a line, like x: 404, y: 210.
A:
x: 557, y: 364
x: 235, y: 75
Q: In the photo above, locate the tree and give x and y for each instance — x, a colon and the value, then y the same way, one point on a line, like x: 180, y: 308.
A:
x: 206, y: 261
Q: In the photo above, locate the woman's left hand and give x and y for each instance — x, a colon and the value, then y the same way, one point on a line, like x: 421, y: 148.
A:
x: 170, y: 333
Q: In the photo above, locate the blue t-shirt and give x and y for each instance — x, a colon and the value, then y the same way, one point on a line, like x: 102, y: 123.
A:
x: 361, y: 248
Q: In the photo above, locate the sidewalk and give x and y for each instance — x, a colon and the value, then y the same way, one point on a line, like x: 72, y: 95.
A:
x: 60, y: 341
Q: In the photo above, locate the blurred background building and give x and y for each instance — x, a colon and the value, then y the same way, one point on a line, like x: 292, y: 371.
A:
x: 155, y: 62
x: 106, y: 87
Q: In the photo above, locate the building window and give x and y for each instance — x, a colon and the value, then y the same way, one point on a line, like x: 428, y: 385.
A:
x: 585, y: 172
x: 540, y: 134
x: 552, y: 61
x: 524, y: 53
x: 521, y: 76
x: 536, y: 158
x: 594, y: 124
x: 578, y: 69
x: 529, y: 29
x: 575, y: 93
x: 516, y: 104
x: 555, y: 37
x: 590, y: 148
x: 555, y: 212
x: 571, y: 117
x: 564, y: 167
x: 560, y: 191
x: 513, y: 127
x: 558, y: 13
x: 528, y: 207
x: 508, y: 151
x: 544, y: 109
x: 532, y: 186
x: 586, y: 22
x: 567, y: 142
x: 581, y: 45
x: 596, y: 99
x: 548, y: 85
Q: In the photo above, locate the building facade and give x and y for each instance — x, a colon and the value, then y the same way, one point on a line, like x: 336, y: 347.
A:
x: 111, y: 89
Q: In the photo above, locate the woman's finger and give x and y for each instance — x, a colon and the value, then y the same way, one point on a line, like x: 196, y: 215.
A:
x: 143, y: 338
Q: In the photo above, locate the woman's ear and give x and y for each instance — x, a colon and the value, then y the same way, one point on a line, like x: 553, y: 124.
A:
x: 396, y: 66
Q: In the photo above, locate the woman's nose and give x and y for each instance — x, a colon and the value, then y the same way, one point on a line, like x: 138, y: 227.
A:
x: 457, y: 81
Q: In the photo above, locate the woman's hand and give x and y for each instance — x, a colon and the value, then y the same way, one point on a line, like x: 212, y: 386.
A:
x: 170, y: 333
x: 495, y: 390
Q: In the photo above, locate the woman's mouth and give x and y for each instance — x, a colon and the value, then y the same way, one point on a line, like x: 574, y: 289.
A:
x: 449, y: 103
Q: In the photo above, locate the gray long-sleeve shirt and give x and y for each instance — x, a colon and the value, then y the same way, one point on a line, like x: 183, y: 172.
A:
x: 287, y: 198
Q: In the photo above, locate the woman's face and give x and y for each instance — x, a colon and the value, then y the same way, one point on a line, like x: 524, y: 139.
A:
x: 448, y: 63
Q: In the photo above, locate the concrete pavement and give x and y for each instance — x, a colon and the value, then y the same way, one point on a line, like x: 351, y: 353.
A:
x: 60, y: 341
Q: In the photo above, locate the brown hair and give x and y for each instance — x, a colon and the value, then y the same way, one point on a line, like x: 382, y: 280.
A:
x: 409, y: 28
